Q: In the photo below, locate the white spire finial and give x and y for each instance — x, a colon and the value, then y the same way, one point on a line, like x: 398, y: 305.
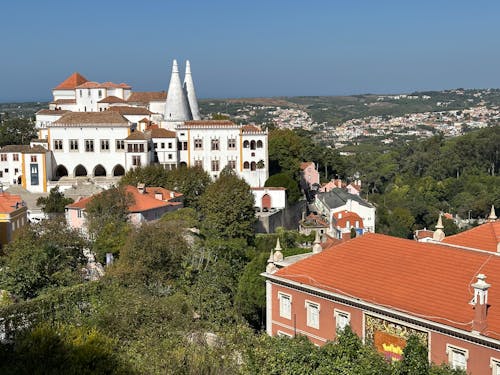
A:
x: 190, y: 93
x: 175, y: 67
x: 317, y: 244
x: 278, y: 255
x: 271, y: 267
x: 492, y: 216
x: 439, y: 233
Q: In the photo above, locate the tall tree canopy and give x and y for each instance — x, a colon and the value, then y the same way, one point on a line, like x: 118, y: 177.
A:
x: 17, y: 131
x: 227, y: 208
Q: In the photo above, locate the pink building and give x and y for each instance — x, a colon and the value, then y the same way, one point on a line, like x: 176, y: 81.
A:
x: 149, y: 203
x: 446, y: 293
x: 309, y: 174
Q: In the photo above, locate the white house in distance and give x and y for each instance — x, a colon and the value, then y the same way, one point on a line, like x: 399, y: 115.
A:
x: 339, y: 200
x: 94, y: 129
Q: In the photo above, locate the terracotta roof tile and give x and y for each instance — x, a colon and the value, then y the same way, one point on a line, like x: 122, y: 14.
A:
x: 111, y: 99
x: 209, y: 123
x: 486, y: 237
x: 250, y: 129
x: 64, y: 101
x: 24, y: 149
x: 136, y: 136
x: 147, y: 96
x: 104, y: 85
x: 162, y: 133
x: 10, y: 202
x: 142, y: 202
x: 341, y: 219
x: 51, y: 112
x: 305, y: 164
x: 91, y: 118
x: 430, y: 281
x: 126, y: 110
x: 70, y: 83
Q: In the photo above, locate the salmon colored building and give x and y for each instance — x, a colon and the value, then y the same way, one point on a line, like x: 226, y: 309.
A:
x: 386, y: 288
x: 13, y: 216
x: 148, y: 203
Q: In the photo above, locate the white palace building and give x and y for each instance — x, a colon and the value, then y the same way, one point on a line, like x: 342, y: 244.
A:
x: 104, y: 129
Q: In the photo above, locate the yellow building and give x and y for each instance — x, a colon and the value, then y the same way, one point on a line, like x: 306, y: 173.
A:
x: 13, y: 216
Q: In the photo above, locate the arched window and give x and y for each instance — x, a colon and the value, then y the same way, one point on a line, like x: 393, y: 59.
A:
x: 259, y: 144
x: 246, y: 144
x: 61, y: 171
x: 80, y: 170
x: 118, y: 170
x: 99, y: 170
x: 253, y: 166
x: 246, y: 165
x: 252, y: 145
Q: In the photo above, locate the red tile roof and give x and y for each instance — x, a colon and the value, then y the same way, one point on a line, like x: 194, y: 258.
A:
x: 305, y: 164
x: 485, y: 237
x: 250, y: 129
x: 70, y: 83
x: 104, y: 85
x: 147, y: 96
x: 111, y: 99
x: 142, y: 202
x: 429, y: 281
x: 64, y: 101
x: 10, y: 202
x: 51, y: 112
x: 209, y: 123
x: 162, y: 133
x: 91, y: 118
x: 126, y: 110
x: 342, y: 217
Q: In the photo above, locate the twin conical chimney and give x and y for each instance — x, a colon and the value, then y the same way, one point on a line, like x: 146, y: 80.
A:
x: 181, y: 104
x: 190, y: 93
x: 176, y: 107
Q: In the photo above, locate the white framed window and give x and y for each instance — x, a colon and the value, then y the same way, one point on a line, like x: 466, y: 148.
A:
x: 285, y: 305
x: 73, y: 144
x: 89, y: 145
x: 198, y: 144
x: 104, y: 144
x: 457, y: 357
x: 79, y: 213
x: 342, y: 319
x: 120, y: 144
x: 495, y: 366
x: 312, y: 312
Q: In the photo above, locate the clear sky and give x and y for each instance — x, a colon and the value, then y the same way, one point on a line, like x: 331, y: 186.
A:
x: 251, y: 48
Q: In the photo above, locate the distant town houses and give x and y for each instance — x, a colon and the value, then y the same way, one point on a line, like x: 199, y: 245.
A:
x: 102, y: 130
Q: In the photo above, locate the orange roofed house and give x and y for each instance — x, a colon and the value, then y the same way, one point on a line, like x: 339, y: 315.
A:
x: 13, y: 216
x: 446, y: 292
x: 148, y: 203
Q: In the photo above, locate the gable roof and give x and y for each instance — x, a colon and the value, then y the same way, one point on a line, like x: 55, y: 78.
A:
x: 136, y: 136
x: 111, y: 99
x: 485, y: 237
x: 147, y: 96
x: 70, y: 83
x: 162, y: 133
x: 91, y: 118
x: 127, y: 110
x: 24, y: 149
x: 338, y: 197
x: 341, y: 219
x: 427, y: 280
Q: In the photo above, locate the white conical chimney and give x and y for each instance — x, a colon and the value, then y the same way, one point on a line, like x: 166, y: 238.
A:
x: 176, y: 108
x: 191, y: 93
x: 439, y: 233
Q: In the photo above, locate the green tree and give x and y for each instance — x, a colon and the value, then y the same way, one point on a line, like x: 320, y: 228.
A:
x: 151, y: 175
x: 55, y: 202
x: 152, y: 257
x: 227, y: 209
x: 16, y: 131
x: 110, y: 206
x: 43, y: 256
x: 192, y: 182
x: 415, y: 359
x: 284, y: 180
x: 285, y: 152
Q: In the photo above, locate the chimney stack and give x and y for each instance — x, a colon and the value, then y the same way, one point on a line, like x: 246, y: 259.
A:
x: 480, y: 302
x: 317, y: 244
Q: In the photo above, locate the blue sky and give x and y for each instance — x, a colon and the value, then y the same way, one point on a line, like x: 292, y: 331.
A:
x: 251, y: 48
